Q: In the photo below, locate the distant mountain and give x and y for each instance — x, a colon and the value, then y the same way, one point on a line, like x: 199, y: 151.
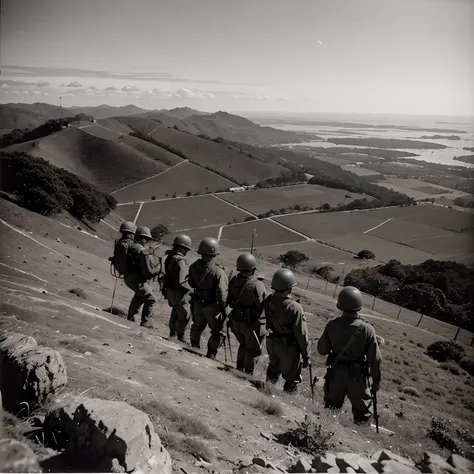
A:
x: 106, y: 111
x: 182, y: 112
x: 29, y: 116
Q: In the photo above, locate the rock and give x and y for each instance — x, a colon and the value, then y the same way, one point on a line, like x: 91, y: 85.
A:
x: 368, y: 466
x: 31, y: 373
x: 102, y: 430
x: 259, y: 462
x: 324, y: 463
x: 17, y: 457
x: 400, y: 468
x: 347, y: 460
x: 385, y: 455
x: 434, y: 463
x: 460, y: 463
x: 246, y: 461
x: 302, y: 465
x: 268, y: 436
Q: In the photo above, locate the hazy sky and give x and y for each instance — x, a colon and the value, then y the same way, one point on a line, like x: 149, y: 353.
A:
x: 379, y: 56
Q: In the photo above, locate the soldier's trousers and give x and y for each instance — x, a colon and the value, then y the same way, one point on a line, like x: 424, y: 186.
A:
x: 285, y: 361
x: 250, y: 343
x: 143, y: 296
x: 204, y: 315
x: 340, y: 384
x: 180, y: 317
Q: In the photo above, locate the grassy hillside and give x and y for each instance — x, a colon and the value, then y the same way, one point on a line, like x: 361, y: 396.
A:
x: 107, y: 164
x: 29, y: 115
x: 106, y: 111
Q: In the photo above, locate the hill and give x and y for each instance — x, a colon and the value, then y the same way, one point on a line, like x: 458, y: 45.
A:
x: 94, y: 158
x: 182, y: 112
x: 29, y: 116
x: 198, y: 408
x: 107, y: 111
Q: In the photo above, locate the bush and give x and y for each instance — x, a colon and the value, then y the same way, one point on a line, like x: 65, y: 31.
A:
x: 453, y: 368
x: 325, y: 272
x: 411, y: 391
x: 79, y: 292
x: 153, y: 198
x: 292, y: 258
x: 249, y: 218
x: 189, y: 193
x: 467, y: 364
x: 268, y: 406
x: 159, y: 231
x: 366, y: 254
x: 450, y: 437
x: 443, y: 351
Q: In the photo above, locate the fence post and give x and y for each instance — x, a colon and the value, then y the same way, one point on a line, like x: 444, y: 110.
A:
x: 373, y: 304
x: 457, y: 333
x: 399, y: 312
x: 335, y: 289
x: 421, y: 317
x: 472, y: 341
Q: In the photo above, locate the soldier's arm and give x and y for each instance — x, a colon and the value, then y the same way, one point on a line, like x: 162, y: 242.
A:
x: 222, y: 288
x: 191, y: 281
x: 259, y: 294
x: 183, y: 276
x: 374, y: 356
x: 300, y: 329
x: 324, y: 344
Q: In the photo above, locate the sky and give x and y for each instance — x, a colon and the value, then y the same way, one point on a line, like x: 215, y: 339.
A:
x: 349, y: 56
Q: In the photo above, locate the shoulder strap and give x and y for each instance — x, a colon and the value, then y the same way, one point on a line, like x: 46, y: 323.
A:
x: 347, y: 344
x: 244, y: 287
x: 203, y: 276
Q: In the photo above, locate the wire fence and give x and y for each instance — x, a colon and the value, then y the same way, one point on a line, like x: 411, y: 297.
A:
x: 397, y: 313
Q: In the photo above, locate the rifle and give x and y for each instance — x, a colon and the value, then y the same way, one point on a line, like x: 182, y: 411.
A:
x: 311, y: 382
x: 228, y: 341
x: 376, y: 414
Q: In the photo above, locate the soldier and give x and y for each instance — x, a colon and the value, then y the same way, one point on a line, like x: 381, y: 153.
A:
x: 140, y: 261
x: 247, y: 319
x: 178, y: 289
x: 288, y: 339
x: 210, y: 295
x: 352, y: 349
x: 121, y: 247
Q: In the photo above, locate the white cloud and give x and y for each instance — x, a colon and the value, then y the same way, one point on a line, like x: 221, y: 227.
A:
x: 111, y: 88
x: 74, y: 84
x: 37, y: 92
x: 42, y: 84
x: 16, y: 92
x: 193, y: 94
x: 130, y: 89
x: 5, y: 86
x: 26, y: 93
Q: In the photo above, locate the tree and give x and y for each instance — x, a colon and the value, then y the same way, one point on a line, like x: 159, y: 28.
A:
x: 366, y: 254
x: 324, y: 272
x: 293, y: 258
x: 325, y: 207
x: 189, y: 193
x: 159, y: 231
x: 153, y: 197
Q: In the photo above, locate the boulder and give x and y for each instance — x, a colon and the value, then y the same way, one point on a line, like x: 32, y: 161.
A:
x: 17, y: 457
x: 302, y: 465
x: 386, y: 455
x: 324, y: 463
x: 462, y: 465
x: 391, y: 465
x: 30, y: 373
x: 435, y: 463
x: 100, y: 431
x: 347, y: 460
x: 369, y: 466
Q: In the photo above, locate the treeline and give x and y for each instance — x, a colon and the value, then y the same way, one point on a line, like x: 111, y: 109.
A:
x: 51, y: 126
x: 442, y: 290
x: 461, y: 202
x: 43, y: 188
x: 287, y: 177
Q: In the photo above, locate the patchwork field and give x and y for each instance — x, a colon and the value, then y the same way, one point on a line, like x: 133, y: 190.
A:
x: 188, y: 213
x: 262, y: 200
x: 127, y: 211
x: 359, y: 171
x: 101, y: 132
x: 185, y: 177
x: 239, y: 236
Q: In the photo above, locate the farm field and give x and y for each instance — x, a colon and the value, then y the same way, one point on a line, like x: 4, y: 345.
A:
x: 262, y: 200
x: 128, y: 211
x: 196, y: 235
x: 188, y: 213
x: 359, y: 171
x: 101, y: 132
x: 459, y: 247
x: 239, y: 236
x: 183, y: 178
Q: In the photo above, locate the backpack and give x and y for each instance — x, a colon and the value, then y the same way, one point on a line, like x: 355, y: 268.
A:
x: 149, y: 264
x: 120, y: 260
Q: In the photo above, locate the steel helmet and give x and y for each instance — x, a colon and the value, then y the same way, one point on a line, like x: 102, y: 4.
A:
x: 128, y: 227
x: 246, y: 262
x: 283, y: 280
x: 208, y: 246
x: 182, y: 241
x: 349, y: 299
x: 143, y: 231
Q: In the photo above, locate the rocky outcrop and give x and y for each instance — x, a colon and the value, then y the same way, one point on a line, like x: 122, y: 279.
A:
x: 111, y: 435
x: 30, y: 373
x: 17, y: 457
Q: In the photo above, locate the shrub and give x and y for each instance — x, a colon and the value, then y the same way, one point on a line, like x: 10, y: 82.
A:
x: 453, y: 368
x: 268, y: 406
x: 153, y: 198
x: 467, y: 364
x: 249, y: 218
x: 159, y: 231
x: 443, y: 351
x: 449, y: 436
x: 292, y: 258
x: 79, y: 292
x: 325, y: 272
x: 411, y: 391
x: 189, y: 193
x: 366, y: 254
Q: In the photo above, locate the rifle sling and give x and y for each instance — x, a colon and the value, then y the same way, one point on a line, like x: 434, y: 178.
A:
x: 347, y: 345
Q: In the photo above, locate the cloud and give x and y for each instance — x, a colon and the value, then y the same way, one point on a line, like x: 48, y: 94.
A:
x: 5, y: 86
x: 111, y: 88
x: 193, y: 94
x: 43, y: 84
x: 74, y: 84
x: 130, y: 89
x: 37, y: 92
x: 17, y: 83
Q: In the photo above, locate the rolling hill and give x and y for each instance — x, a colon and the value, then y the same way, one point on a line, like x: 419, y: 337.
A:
x: 29, y: 115
x: 106, y: 111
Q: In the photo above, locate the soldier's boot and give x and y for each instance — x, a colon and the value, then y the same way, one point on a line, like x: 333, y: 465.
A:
x: 290, y: 387
x: 211, y: 354
x: 249, y: 371
x: 134, y: 308
x: 240, y: 365
x: 181, y: 338
x: 147, y: 313
x: 196, y: 344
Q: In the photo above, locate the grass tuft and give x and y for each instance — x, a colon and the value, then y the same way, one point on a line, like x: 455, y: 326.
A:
x: 411, y: 391
x: 79, y: 292
x: 268, y: 406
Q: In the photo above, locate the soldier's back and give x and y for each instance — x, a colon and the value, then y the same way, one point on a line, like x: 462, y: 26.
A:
x: 282, y: 313
x: 204, y: 274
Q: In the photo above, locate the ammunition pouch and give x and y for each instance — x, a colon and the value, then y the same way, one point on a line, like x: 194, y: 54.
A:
x: 204, y: 297
x: 357, y: 369
x: 248, y: 314
x: 288, y: 340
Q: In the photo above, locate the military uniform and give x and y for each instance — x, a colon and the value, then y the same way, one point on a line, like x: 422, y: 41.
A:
x: 349, y: 375
x: 287, y: 340
x: 178, y: 293
x: 246, y: 296
x: 209, y: 299
x: 135, y: 280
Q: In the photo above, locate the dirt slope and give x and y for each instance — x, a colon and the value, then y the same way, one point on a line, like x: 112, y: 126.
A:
x: 110, y: 357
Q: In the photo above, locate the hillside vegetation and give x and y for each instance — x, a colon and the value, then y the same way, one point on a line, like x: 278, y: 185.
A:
x: 442, y: 290
x: 29, y: 115
x: 48, y: 190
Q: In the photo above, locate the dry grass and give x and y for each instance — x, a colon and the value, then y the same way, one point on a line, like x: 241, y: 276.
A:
x: 79, y: 292
x: 268, y: 406
x: 184, y: 444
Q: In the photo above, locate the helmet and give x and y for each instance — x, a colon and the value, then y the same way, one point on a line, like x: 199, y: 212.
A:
x: 143, y: 231
x: 283, y: 280
x: 349, y: 299
x: 246, y: 262
x: 128, y: 227
x: 182, y: 241
x: 208, y: 246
